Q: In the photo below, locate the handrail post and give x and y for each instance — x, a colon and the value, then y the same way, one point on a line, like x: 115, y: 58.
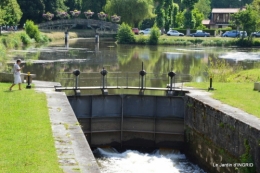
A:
x: 142, y: 74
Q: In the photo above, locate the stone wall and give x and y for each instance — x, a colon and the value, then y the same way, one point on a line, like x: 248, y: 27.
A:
x: 216, y: 133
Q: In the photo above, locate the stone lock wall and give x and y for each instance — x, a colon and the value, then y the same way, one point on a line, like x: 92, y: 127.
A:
x: 218, y: 136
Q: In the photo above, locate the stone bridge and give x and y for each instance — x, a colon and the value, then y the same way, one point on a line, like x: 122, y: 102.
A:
x: 99, y: 26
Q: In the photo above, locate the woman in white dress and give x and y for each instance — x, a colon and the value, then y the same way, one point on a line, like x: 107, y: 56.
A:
x: 17, y: 74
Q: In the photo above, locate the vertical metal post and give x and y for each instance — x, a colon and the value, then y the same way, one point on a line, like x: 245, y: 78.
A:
x: 97, y: 38
x: 28, y: 80
x: 210, y: 84
x: 171, y: 83
x: 142, y: 74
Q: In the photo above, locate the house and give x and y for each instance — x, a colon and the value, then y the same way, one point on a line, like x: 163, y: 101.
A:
x: 220, y: 17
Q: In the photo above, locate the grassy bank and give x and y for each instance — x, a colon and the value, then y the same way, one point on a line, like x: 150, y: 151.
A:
x: 203, y: 41
x: 27, y: 143
x: 238, y: 92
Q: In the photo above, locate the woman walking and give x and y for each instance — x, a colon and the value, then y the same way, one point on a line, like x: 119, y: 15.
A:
x: 17, y: 74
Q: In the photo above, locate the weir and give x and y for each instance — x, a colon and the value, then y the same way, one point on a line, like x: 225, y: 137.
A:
x: 131, y: 120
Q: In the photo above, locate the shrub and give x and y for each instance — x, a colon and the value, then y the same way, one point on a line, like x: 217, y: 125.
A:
x: 154, y: 35
x: 141, y: 39
x: 31, y: 29
x: 25, y: 38
x: 125, y: 34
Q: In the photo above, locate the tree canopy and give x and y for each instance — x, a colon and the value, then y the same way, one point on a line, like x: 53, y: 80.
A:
x: 12, y: 12
x: 132, y: 12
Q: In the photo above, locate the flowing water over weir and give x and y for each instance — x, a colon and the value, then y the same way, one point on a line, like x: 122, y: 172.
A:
x: 132, y: 161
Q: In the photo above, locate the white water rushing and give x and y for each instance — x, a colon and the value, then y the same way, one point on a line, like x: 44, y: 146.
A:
x: 130, y: 161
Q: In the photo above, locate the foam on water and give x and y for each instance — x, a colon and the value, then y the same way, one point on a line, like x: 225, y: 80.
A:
x: 241, y: 56
x: 132, y: 161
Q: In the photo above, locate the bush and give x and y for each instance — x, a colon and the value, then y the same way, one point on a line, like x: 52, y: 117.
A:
x: 141, y: 39
x: 25, y: 38
x: 31, y: 29
x: 154, y: 35
x: 125, y: 34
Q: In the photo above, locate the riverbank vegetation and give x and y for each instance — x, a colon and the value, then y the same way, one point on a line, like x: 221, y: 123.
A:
x: 235, y: 88
x: 27, y: 143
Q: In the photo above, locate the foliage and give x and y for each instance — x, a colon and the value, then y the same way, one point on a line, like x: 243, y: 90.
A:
x: 94, y: 5
x: 247, y: 158
x: 154, y: 35
x: 204, y: 7
x: 160, y: 12
x: 189, y: 19
x: 169, y: 13
x: 73, y: 4
x: 33, y: 32
x: 246, y: 19
x: 174, y: 15
x: 2, y: 13
x: 27, y: 143
x: 25, y: 38
x: 198, y: 17
x: 12, y: 10
x: 31, y: 29
x: 143, y: 9
x: 125, y: 34
x: 55, y: 5
x: 220, y: 70
x: 237, y: 94
x: 32, y: 10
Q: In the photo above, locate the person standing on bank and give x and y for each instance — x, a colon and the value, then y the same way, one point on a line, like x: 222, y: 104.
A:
x: 17, y: 74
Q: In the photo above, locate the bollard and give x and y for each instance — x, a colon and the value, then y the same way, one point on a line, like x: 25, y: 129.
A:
x: 142, y: 73
x: 104, y: 73
x: 76, y: 73
x: 171, y: 74
x: 97, y: 38
x: 28, y: 81
x: 210, y: 84
x: 66, y: 38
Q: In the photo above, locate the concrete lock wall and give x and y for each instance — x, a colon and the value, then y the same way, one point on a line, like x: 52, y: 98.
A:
x: 217, y: 135
x: 131, y: 120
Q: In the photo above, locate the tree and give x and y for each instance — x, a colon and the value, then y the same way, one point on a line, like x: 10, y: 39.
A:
x: 189, y: 20
x: 32, y: 10
x: 53, y: 6
x: 198, y: 16
x: 94, y: 5
x: 132, y: 12
x: 174, y: 15
x: 74, y: 4
x: 125, y: 34
x: 204, y: 7
x: 12, y: 10
x: 160, y: 12
x: 246, y: 19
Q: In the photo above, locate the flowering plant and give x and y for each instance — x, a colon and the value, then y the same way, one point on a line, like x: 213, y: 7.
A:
x: 102, y: 16
x: 48, y: 16
x: 62, y: 14
x: 88, y: 14
x: 75, y: 13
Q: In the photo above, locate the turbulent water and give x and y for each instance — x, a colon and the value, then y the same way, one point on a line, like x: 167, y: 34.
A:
x: 131, y: 161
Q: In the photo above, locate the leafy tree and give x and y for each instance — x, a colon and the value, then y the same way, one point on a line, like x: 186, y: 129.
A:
x: 12, y: 10
x: 246, y: 19
x: 154, y: 35
x: 229, y: 3
x: 32, y: 10
x: 74, y: 4
x: 94, y: 5
x: 160, y: 12
x: 256, y: 7
x: 53, y: 6
x: 174, y: 15
x: 204, y: 7
x: 198, y: 16
x: 179, y: 20
x: 189, y: 21
x: 132, y: 12
x: 125, y: 34
x: 169, y: 9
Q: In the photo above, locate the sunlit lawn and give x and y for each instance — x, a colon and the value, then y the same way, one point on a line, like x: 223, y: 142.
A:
x: 240, y: 95
x: 26, y: 142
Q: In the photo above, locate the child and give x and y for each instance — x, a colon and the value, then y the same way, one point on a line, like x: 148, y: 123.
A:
x: 17, y: 72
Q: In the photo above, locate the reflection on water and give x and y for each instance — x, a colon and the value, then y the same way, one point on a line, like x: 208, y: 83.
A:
x: 50, y: 63
x: 130, y: 161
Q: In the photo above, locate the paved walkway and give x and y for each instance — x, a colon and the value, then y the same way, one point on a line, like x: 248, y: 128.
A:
x: 72, y: 147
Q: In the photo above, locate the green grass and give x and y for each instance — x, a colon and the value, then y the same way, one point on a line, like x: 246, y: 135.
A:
x: 26, y: 141
x: 240, y: 95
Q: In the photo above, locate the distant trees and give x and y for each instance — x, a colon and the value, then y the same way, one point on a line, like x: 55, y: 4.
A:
x: 132, y: 12
x: 12, y: 12
x: 204, y: 7
x: 189, y: 20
